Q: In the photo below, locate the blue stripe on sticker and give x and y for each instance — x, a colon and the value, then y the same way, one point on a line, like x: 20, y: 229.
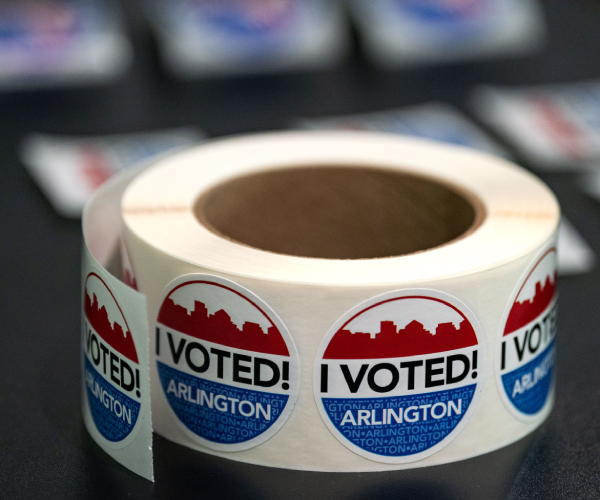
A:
x: 528, y: 387
x: 399, y: 426
x: 218, y: 412
x: 114, y: 413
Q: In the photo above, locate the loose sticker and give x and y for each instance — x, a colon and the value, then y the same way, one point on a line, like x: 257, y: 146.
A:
x: 227, y: 364
x: 398, y: 376
x: 526, y: 347
x: 111, y: 365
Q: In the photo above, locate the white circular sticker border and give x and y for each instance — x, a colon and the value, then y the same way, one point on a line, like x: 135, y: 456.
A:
x: 387, y: 421
x: 525, y: 349
x: 209, y: 373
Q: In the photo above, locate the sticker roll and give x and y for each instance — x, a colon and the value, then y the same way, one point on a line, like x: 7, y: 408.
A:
x: 335, y: 301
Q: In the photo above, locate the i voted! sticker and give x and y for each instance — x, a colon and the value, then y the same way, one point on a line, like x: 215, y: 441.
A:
x: 111, y: 364
x: 526, y: 347
x: 398, y: 376
x: 227, y: 365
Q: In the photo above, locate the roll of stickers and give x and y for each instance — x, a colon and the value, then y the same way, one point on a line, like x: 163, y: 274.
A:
x: 327, y: 301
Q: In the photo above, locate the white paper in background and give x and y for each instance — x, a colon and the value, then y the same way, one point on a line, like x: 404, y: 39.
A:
x: 442, y: 122
x: 61, y: 42
x: 556, y: 126
x: 115, y: 371
x: 69, y: 169
x: 404, y: 32
x: 209, y: 37
x: 575, y: 256
x: 436, y: 120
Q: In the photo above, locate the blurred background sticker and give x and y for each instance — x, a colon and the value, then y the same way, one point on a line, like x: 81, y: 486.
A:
x: 68, y: 169
x: 557, y: 127
x: 399, y: 32
x: 436, y: 120
x: 207, y: 37
x: 59, y: 41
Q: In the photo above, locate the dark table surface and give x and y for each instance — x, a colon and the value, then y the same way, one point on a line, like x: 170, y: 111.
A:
x: 45, y: 451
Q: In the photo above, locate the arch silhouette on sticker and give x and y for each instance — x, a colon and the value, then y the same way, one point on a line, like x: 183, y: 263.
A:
x: 398, y: 376
x: 227, y: 365
x: 526, y: 347
x: 111, y: 364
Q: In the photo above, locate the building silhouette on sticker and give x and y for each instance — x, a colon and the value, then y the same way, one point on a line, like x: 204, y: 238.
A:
x: 219, y: 328
x: 390, y: 342
x: 112, y: 334
x: 525, y: 312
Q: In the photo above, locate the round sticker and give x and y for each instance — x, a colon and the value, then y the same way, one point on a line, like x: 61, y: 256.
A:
x: 397, y: 377
x: 112, y: 373
x: 227, y: 364
x: 526, y: 347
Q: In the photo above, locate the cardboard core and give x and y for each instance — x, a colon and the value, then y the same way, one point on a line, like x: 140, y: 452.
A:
x: 336, y: 212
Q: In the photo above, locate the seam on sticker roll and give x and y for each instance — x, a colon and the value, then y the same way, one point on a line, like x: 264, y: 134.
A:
x: 141, y: 211
x: 528, y: 215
